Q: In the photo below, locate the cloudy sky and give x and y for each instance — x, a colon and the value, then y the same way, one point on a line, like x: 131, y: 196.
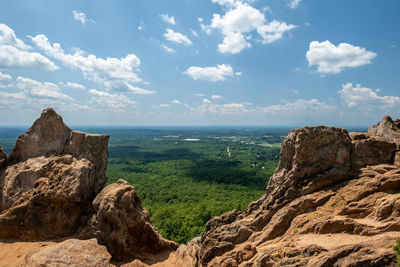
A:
x: 208, y: 62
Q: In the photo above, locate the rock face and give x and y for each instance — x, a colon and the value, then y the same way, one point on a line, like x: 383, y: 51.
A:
x: 334, y: 200
x: 51, y: 178
x: 52, y: 186
x: 71, y: 253
x: 388, y: 129
x: 124, y: 226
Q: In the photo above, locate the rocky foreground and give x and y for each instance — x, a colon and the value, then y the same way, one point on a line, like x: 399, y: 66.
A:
x: 334, y: 200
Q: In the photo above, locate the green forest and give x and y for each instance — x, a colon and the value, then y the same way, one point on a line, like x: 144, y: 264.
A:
x: 186, y: 176
x: 185, y: 183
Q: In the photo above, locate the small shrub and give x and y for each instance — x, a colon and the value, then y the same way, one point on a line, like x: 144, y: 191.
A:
x: 396, y: 248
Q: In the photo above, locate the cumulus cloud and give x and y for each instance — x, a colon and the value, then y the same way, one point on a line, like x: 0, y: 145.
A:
x: 213, y: 74
x: 111, y: 102
x: 354, y: 96
x: 216, y: 97
x: 40, y: 89
x: 334, y: 59
x: 300, y: 106
x: 274, y: 31
x: 164, y: 106
x: 166, y: 18
x: 72, y: 85
x: 81, y: 17
x: 4, y: 77
x: 114, y: 73
x: 241, y: 19
x: 207, y: 107
x: 177, y: 37
x: 168, y: 49
x: 175, y: 102
x: 294, y: 3
x: 14, y: 53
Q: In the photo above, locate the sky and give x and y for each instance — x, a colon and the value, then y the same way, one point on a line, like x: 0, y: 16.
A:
x: 200, y: 62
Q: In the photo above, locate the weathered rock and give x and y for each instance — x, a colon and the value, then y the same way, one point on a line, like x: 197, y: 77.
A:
x: 371, y: 151
x: 51, y: 178
x: 123, y: 226
x: 46, y: 197
x: 3, y: 158
x: 388, y: 129
x: 333, y: 200
x: 47, y: 136
x: 71, y: 253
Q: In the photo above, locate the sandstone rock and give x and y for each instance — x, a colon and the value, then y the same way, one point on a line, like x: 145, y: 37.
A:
x: 46, y: 197
x: 371, y: 151
x: 388, y: 129
x: 71, y: 253
x: 51, y: 178
x: 123, y: 226
x: 47, y: 135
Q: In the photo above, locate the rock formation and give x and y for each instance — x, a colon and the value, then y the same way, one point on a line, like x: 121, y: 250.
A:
x: 334, y: 200
x: 71, y: 253
x: 52, y: 186
x: 123, y: 225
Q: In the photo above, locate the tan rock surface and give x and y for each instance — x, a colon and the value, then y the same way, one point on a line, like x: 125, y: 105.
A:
x: 123, y: 226
x: 70, y: 253
x: 50, y: 180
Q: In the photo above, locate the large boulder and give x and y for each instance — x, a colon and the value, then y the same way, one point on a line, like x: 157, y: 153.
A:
x: 71, y: 253
x: 51, y: 178
x: 123, y: 226
x: 370, y: 150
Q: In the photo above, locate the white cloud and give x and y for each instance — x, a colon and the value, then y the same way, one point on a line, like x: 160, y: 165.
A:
x: 213, y: 74
x: 164, y: 106
x: 294, y: 91
x: 357, y: 95
x: 274, y: 31
x: 194, y: 33
x: 8, y: 37
x: 175, y: 102
x: 14, y: 53
x: 112, y: 102
x: 72, y: 85
x: 201, y: 95
x: 294, y: 3
x: 241, y: 18
x: 233, y: 43
x: 216, y: 97
x: 300, y: 106
x: 113, y: 73
x: 168, y: 49
x: 334, y: 59
x: 81, y: 17
x: 166, y: 18
x: 207, y: 107
x: 40, y: 89
x: 177, y: 37
x: 4, y: 77
x: 141, y: 26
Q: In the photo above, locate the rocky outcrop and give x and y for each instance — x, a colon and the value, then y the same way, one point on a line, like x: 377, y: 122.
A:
x: 71, y: 253
x: 52, y: 186
x: 51, y: 178
x: 334, y: 200
x: 388, y: 129
x: 124, y: 226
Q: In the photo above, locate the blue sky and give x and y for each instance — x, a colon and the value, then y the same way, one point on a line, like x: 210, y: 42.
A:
x: 208, y: 62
